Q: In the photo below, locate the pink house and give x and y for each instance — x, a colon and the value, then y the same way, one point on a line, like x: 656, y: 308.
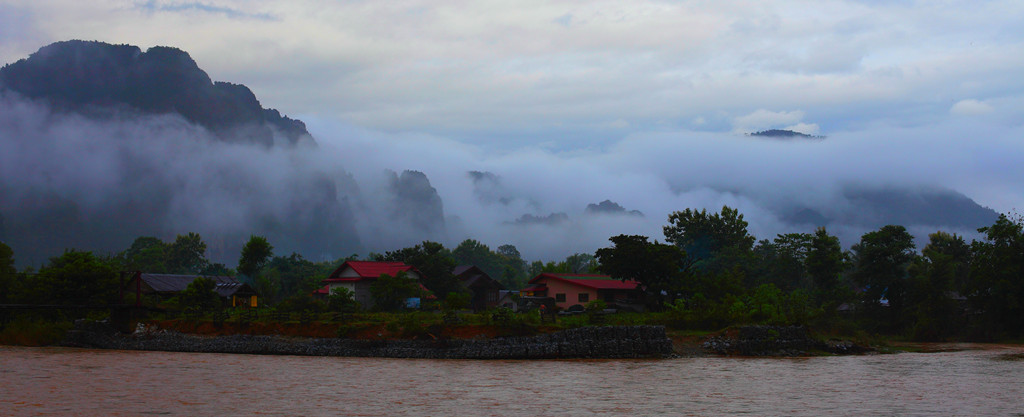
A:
x: 572, y: 289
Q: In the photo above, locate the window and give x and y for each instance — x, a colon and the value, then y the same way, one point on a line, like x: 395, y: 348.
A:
x: 492, y: 296
x: 584, y: 297
x: 560, y: 298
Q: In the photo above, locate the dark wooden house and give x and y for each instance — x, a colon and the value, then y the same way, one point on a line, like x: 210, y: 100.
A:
x: 484, y: 289
x: 233, y: 292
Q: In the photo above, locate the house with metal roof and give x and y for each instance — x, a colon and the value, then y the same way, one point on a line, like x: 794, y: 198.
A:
x: 579, y: 289
x: 357, y: 276
x: 233, y: 292
x: 484, y: 289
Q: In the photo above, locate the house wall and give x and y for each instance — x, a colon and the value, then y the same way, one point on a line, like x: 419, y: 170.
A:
x: 360, y: 291
x: 243, y: 301
x: 361, y: 288
x: 572, y: 292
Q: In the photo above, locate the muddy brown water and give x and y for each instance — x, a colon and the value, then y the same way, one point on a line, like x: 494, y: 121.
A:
x: 962, y: 380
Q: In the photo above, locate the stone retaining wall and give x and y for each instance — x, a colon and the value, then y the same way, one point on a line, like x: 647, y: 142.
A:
x: 584, y: 342
x: 776, y: 341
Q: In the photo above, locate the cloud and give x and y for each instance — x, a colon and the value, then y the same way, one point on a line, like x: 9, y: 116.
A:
x: 762, y: 119
x: 181, y: 7
x: 970, y: 107
x: 574, y: 103
x: 507, y: 73
x: 806, y: 128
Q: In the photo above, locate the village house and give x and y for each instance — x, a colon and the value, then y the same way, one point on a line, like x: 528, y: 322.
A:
x: 508, y: 299
x: 231, y: 291
x: 484, y: 289
x: 579, y: 289
x: 357, y: 276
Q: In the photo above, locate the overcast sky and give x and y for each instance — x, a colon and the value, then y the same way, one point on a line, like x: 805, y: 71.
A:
x: 569, y: 73
x: 910, y: 92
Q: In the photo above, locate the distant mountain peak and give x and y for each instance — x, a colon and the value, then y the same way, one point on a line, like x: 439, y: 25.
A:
x: 611, y: 207
x: 82, y: 75
x: 784, y: 134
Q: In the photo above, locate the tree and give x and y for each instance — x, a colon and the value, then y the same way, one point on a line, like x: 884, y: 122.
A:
x: 201, y: 293
x: 187, y: 255
x: 342, y: 300
x: 660, y: 268
x: 75, y: 278
x: 147, y: 254
x: 509, y: 251
x: 288, y: 276
x: 825, y: 263
x: 433, y: 261
x: 702, y: 235
x: 513, y: 274
x: 781, y: 261
x: 997, y: 277
x: 881, y: 260
x: 7, y: 273
x: 581, y: 263
x: 255, y: 254
x: 934, y: 278
x: 390, y: 292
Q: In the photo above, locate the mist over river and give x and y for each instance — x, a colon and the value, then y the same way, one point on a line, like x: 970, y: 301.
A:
x: 979, y: 380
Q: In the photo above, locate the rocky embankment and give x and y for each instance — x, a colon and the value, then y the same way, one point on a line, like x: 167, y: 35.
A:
x: 776, y: 341
x: 585, y: 342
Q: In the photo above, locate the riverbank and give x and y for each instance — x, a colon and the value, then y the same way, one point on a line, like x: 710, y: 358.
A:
x: 465, y: 342
x: 584, y: 342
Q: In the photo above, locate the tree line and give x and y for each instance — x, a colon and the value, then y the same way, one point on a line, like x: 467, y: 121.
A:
x: 709, y: 273
x: 712, y: 272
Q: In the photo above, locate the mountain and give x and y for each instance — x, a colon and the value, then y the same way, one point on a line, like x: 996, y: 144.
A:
x: 101, y: 143
x: 611, y: 207
x: 876, y: 207
x: 97, y: 78
x: 783, y: 134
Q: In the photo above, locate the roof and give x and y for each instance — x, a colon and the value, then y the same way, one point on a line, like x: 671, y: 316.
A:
x: 597, y: 282
x: 225, y: 286
x: 368, y: 270
x: 474, y: 277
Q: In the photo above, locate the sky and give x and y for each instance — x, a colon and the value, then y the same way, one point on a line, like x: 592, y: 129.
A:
x: 645, y: 103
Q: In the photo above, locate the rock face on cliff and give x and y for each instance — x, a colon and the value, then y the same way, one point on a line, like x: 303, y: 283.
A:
x: 416, y: 204
x: 106, y: 143
x: 98, y: 78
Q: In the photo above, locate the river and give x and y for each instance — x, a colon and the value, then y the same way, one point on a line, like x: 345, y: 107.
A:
x: 978, y: 380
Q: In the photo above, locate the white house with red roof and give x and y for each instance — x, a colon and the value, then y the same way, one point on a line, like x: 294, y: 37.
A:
x: 572, y: 289
x: 357, y: 276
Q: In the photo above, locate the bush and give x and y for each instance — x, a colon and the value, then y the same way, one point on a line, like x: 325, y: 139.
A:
x: 300, y: 303
x: 455, y: 301
x: 342, y: 300
x: 34, y: 332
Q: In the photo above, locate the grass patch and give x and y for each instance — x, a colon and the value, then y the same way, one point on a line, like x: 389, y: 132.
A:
x: 34, y: 332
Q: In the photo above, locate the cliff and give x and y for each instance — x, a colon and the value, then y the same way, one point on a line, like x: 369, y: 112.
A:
x: 96, y: 78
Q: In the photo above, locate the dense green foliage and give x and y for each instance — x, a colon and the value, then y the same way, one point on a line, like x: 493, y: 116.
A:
x: 342, y: 300
x: 504, y: 265
x: 433, y: 261
x: 709, y: 274
x: 390, y: 292
x: 662, y: 269
x: 201, y: 294
x: 256, y: 253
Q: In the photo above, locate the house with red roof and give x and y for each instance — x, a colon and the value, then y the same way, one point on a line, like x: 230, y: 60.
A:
x: 357, y: 276
x: 572, y: 289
